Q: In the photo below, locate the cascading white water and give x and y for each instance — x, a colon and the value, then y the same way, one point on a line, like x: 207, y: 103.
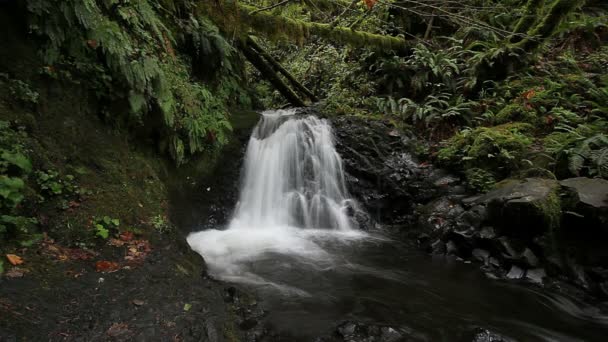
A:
x: 293, y: 175
x: 293, y: 195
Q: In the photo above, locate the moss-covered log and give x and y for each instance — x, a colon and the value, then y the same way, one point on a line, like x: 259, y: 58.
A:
x: 239, y: 19
x: 268, y: 73
x: 279, y: 68
x: 547, y: 26
x: 528, y: 19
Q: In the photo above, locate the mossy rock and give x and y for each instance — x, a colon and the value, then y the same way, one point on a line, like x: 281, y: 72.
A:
x: 524, y: 208
x: 587, y: 199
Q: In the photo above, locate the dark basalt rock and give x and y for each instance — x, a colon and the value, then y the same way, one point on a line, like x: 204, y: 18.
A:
x: 523, y: 208
x: 382, y: 172
x: 484, y: 335
x: 361, y: 332
x: 585, y: 201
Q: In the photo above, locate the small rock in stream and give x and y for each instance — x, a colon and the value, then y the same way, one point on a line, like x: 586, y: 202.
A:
x: 536, y: 275
x: 481, y: 255
x: 515, y: 273
x: 529, y: 258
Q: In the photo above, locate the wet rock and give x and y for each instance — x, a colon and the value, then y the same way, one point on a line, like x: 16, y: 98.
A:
x: 515, y: 273
x: 439, y: 217
x: 484, y: 335
x: 506, y: 248
x: 451, y: 249
x: 438, y: 247
x: 389, y: 334
x: 523, y: 208
x: 587, y: 197
x: 347, y: 329
x: 381, y: 170
x: 536, y: 275
x: 481, y: 255
x: 487, y: 233
x: 362, y: 332
x: 494, y: 262
x: 529, y: 258
x: 474, y: 217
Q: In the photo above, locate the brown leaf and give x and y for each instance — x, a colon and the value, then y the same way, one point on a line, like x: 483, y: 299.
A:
x: 116, y: 243
x: 370, y: 3
x: 138, y: 302
x: 14, y: 259
x: 105, y: 266
x: 118, y: 329
x: 126, y: 236
x: 16, y: 272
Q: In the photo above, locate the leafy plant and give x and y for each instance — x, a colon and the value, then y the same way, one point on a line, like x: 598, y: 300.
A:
x: 20, y: 90
x: 584, y: 149
x: 160, y: 224
x: 479, y: 180
x: 498, y: 149
x: 104, y: 226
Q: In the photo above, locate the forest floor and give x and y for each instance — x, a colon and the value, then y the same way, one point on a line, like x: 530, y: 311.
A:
x: 161, y: 296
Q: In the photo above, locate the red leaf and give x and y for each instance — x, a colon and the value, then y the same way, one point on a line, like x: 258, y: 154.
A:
x: 370, y: 3
x: 106, y: 266
x: 126, y: 236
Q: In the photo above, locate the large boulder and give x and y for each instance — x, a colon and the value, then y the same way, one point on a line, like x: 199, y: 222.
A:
x: 523, y: 209
x: 586, y: 202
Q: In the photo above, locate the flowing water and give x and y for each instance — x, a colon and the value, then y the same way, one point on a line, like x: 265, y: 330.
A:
x: 294, y: 240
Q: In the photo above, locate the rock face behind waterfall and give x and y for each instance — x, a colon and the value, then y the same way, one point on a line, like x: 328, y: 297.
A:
x: 381, y: 171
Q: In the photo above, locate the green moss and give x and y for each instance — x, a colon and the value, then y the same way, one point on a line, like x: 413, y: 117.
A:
x: 517, y: 112
x: 498, y: 149
x: 238, y: 18
x: 551, y: 210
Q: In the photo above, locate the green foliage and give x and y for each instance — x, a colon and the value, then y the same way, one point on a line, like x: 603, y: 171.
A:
x: 160, y: 224
x: 479, y: 180
x: 583, y: 149
x: 498, y: 149
x: 104, y: 226
x: 434, y: 109
x: 137, y: 49
x: 20, y: 90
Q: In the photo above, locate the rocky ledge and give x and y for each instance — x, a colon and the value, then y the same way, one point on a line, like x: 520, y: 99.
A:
x: 539, y: 230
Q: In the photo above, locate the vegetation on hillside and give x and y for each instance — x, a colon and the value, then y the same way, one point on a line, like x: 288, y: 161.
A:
x: 496, y: 88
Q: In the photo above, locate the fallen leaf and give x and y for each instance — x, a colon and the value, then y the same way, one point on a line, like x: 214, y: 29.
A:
x: 118, y: 329
x: 14, y: 259
x: 187, y: 307
x: 16, y: 272
x: 370, y: 3
x: 126, y: 236
x: 116, y: 242
x: 106, y: 266
x: 138, y: 302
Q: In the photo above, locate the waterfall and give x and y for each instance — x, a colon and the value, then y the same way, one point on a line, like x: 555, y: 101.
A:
x: 292, y: 195
x: 293, y: 175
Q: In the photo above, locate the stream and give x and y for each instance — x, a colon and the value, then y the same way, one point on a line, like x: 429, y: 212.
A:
x: 294, y: 240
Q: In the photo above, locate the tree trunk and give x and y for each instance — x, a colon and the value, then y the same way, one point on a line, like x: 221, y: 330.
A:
x: 237, y: 18
x: 279, y: 68
x: 525, y: 23
x: 268, y: 72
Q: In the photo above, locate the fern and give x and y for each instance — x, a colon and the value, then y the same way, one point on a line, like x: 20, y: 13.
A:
x: 137, y: 49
